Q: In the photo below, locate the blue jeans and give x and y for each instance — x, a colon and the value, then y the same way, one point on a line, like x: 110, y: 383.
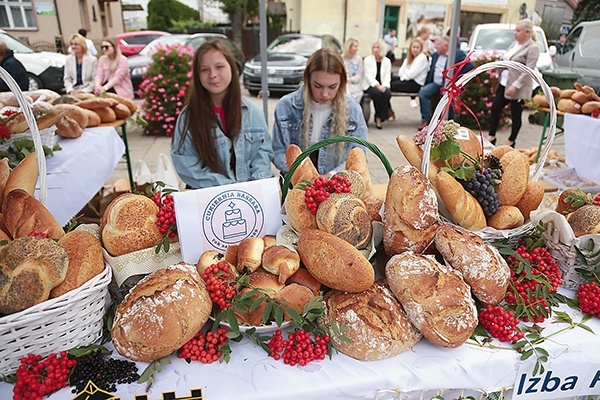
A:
x: 425, y: 94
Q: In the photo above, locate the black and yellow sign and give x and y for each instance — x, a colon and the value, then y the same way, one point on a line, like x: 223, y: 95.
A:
x: 93, y: 392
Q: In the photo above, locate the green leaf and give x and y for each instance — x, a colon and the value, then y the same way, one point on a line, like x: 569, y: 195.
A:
x: 266, y: 314
x: 278, y: 312
x: 86, y: 350
x: 232, y: 320
x: 526, y: 355
x: 148, y: 373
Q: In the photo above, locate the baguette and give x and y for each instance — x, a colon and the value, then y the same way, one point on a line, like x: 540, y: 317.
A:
x: 414, y: 155
x: 23, y: 176
x: 357, y: 161
x: 306, y: 171
x: 462, y: 206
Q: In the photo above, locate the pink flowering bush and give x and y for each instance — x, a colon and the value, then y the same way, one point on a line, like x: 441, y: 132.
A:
x: 479, y: 93
x: 164, y: 89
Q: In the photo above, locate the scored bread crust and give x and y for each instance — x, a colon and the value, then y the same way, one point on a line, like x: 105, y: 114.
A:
x: 377, y: 325
x: 345, y: 216
x: 129, y: 224
x: 23, y: 176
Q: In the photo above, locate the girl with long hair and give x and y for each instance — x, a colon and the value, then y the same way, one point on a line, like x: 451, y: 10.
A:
x: 112, y: 73
x: 413, y: 71
x: 354, y: 69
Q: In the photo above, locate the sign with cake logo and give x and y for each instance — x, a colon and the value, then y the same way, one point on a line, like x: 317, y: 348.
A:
x: 217, y: 217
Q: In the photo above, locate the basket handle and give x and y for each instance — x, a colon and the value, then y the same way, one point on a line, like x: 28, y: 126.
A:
x: 35, y: 133
x: 437, y: 114
x: 369, y: 145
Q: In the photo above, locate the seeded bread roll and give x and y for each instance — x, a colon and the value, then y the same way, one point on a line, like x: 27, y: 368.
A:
x: 357, y: 182
x: 161, y: 313
x: 377, y: 325
x: 345, y: 216
x: 480, y: 264
x: 436, y: 299
x: 585, y: 220
x: 249, y: 254
x: 281, y: 261
x: 515, y: 177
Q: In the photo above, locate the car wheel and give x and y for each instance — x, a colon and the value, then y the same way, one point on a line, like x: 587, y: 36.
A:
x: 253, y: 92
x: 34, y: 82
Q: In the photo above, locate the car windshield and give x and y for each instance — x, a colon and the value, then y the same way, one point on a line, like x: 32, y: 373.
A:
x: 499, y: 39
x: 195, y: 42
x: 305, y: 45
x: 162, y: 41
x: 15, y: 45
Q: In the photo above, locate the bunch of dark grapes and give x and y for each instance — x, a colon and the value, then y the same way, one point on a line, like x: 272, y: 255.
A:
x: 481, y: 186
x: 105, y: 372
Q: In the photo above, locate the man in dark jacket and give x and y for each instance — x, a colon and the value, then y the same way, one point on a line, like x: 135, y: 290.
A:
x: 13, y: 67
x: 435, y: 80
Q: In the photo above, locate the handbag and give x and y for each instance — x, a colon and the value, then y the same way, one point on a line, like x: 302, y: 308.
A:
x: 165, y: 173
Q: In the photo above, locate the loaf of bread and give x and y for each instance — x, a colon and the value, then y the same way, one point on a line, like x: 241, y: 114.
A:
x: 131, y: 105
x: 334, y: 262
x: 121, y: 111
x: 95, y: 103
x: 74, y: 112
x: 590, y: 107
x: 540, y: 100
x: 507, y: 217
x: 436, y: 299
x: 300, y: 217
x: 480, y: 264
x: 501, y: 150
x: 23, y: 176
x: 377, y: 325
x: 306, y: 171
x: 411, y: 212
x: 295, y: 297
x: 357, y: 161
x: 231, y: 254
x: 462, y: 206
x: 531, y: 199
x: 93, y: 118
x: 281, y: 261
x: 567, y: 93
x: 24, y: 215
x: 162, y: 312
x: 414, y: 155
x: 249, y: 254
x: 31, y: 267
x: 106, y: 114
x: 345, y: 216
x: 85, y: 260
x: 68, y: 127
x: 515, y: 177
x: 569, y: 106
x: 585, y: 220
x: 4, y: 174
x: 556, y: 91
x: 129, y: 224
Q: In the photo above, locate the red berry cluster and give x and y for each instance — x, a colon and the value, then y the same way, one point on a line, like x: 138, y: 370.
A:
x: 597, y: 200
x: 543, y: 267
x: 588, y: 295
x: 36, y: 377
x: 321, y: 189
x: 299, y: 348
x: 205, y: 348
x: 220, y: 283
x: 500, y: 323
x: 39, y: 234
x: 166, y: 214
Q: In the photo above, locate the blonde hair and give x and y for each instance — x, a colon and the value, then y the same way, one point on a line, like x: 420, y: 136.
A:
x: 382, y: 47
x: 80, y: 40
x: 114, y: 62
x: 409, y: 55
x: 528, y: 25
x: 347, y: 45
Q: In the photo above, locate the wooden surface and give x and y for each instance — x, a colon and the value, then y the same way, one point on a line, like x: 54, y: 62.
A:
x: 114, y: 124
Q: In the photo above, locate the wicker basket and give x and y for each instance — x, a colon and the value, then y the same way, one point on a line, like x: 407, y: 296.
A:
x: 490, y: 234
x: 71, y: 320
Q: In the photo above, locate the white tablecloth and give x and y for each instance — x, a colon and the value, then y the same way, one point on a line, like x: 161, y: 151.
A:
x: 78, y: 171
x: 251, y: 374
x: 582, y: 145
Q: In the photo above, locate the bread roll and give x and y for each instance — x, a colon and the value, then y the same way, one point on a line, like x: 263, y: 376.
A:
x: 4, y: 174
x: 300, y: 217
x: 281, y: 261
x: 515, y: 177
x: 540, y: 100
x: 31, y: 267
x: 568, y: 105
x: 306, y: 171
x: 499, y: 151
x: 567, y: 93
x: 304, y: 278
x: 85, y: 260
x: 130, y: 104
x: 377, y: 325
x: 93, y: 118
x: 532, y: 198
x: 96, y: 103
x: 270, y: 240
x: 507, y: 217
x: 357, y: 161
x: 585, y: 220
x: 121, y: 111
x: 249, y: 254
x: 231, y: 254
x: 357, y: 183
x: 74, y: 112
x: 411, y: 212
x: 209, y: 258
x: 480, y: 264
x: 24, y: 215
x: 590, y: 107
x: 16, y: 123
x: 68, y: 127
x: 436, y: 299
x: 556, y: 91
x: 345, y: 216
x: 293, y: 296
x: 334, y: 262
x: 580, y: 97
x: 161, y: 313
x: 469, y: 144
x: 129, y: 224
x: 23, y: 176
x: 106, y: 114
x: 462, y: 206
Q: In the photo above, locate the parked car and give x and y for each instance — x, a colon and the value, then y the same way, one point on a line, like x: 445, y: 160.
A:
x: 131, y: 43
x: 500, y: 36
x: 45, y: 69
x: 286, y: 60
x: 581, y: 54
x: 139, y: 64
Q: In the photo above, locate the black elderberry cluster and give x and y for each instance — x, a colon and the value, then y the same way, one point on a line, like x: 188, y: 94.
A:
x: 482, y: 188
x: 105, y: 372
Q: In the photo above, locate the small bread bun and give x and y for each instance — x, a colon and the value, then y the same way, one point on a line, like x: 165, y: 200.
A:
x: 515, y: 177
x: 265, y: 282
x: 293, y: 296
x: 507, y: 217
x: 16, y: 123
x: 585, y: 220
x: 304, y: 278
x: 580, y: 97
x: 207, y: 259
x: 231, y: 254
x: 300, y: 217
x: 590, y: 107
x: 249, y: 254
x: 281, y: 261
x: 532, y: 198
x: 270, y: 240
x: 24, y: 215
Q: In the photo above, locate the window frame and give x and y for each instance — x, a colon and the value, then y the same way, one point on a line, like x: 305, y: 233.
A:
x: 22, y: 6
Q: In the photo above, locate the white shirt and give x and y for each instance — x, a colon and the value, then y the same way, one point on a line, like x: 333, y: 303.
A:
x: 440, y: 66
x: 417, y: 70
x: 506, y: 57
x: 320, y: 113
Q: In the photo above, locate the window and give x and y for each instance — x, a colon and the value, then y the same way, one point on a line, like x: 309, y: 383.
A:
x: 16, y: 14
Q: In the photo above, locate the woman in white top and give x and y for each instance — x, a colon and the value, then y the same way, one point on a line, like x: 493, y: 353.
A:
x: 354, y: 69
x: 377, y: 82
x: 413, y: 71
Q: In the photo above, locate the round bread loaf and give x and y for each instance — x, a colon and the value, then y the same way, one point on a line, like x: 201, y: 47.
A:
x: 436, y: 299
x: 507, y: 217
x: 300, y: 217
x: 501, y: 150
x: 345, y: 216
x: 24, y: 215
x: 377, y: 325
x: 334, y: 262
x: 515, y: 176
x: 85, y: 260
x: 480, y: 263
x: 129, y: 224
x: 161, y: 313
x: 281, y: 261
x: 532, y: 198
x: 31, y: 267
x: 585, y: 220
x: 267, y: 284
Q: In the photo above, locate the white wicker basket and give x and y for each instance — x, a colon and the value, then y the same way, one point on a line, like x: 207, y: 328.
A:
x: 490, y: 234
x: 71, y: 320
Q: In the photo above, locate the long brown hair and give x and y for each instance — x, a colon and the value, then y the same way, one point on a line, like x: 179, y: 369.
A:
x: 114, y: 62
x: 200, y: 118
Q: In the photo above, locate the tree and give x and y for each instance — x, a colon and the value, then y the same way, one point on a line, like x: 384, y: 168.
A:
x: 586, y: 10
x: 239, y: 12
x: 163, y: 14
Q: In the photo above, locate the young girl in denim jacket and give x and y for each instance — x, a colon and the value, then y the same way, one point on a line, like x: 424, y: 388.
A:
x: 318, y: 110
x: 220, y: 137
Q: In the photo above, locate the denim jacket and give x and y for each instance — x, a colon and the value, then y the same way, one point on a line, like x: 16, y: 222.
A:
x: 287, y: 130
x: 253, y: 152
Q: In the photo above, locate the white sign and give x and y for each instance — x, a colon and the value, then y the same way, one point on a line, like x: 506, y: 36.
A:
x: 569, y: 377
x: 217, y: 217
